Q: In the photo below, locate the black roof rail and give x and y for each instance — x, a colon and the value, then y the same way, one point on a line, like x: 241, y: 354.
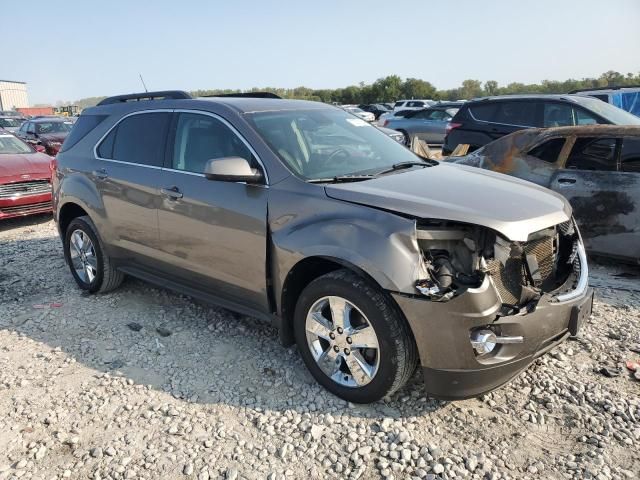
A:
x: 246, y: 95
x: 162, y: 95
x: 618, y: 87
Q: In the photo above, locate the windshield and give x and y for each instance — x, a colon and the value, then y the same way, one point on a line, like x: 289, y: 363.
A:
x: 325, y: 143
x: 53, y: 127
x: 615, y: 115
x: 11, y: 145
x: 10, y: 122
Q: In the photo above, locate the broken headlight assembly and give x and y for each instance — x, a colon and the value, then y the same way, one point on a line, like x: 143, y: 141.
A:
x: 458, y: 257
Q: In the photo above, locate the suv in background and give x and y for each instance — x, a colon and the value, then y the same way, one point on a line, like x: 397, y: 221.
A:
x: 626, y: 98
x: 412, y: 104
x: 369, y: 257
x: 481, y: 121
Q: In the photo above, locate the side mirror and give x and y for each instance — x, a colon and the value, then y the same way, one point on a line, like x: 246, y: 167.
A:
x: 232, y: 169
x: 40, y: 148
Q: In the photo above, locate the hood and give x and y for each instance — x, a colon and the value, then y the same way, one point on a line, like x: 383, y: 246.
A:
x: 53, y: 137
x: 13, y: 167
x: 510, y: 206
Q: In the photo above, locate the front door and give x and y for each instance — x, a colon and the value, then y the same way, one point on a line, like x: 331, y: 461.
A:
x: 604, y: 193
x: 213, y: 233
x: 127, y: 174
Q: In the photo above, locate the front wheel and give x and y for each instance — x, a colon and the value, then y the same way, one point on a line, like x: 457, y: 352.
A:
x: 352, y: 338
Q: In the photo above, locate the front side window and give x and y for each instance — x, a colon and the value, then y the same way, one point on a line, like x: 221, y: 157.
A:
x: 137, y: 139
x: 549, y: 150
x: 557, y: 115
x: 324, y: 143
x: 593, y: 154
x: 630, y: 155
x: 200, y: 138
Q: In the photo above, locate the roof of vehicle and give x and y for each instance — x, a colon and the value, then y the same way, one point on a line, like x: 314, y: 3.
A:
x: 48, y: 119
x: 528, y: 96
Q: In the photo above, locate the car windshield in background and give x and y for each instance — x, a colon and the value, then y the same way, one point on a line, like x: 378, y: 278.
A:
x: 10, y: 122
x: 317, y: 144
x: 53, y: 127
x: 11, y: 145
x: 615, y: 115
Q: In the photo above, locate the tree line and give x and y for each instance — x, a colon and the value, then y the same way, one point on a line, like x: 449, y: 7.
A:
x: 393, y: 87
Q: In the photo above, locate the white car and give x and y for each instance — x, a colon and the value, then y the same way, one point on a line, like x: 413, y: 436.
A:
x: 412, y: 104
x: 358, y: 112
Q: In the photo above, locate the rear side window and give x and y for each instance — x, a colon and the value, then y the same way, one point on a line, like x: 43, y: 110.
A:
x: 548, y: 151
x: 557, y: 115
x: 483, y: 112
x: 630, y: 156
x: 593, y: 154
x: 516, y: 113
x: 398, y: 104
x: 139, y: 139
x: 80, y: 129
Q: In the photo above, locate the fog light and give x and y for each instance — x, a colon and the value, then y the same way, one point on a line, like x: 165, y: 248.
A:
x: 484, y: 341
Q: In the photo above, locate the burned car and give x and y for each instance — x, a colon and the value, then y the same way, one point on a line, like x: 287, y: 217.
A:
x: 596, y: 167
x: 371, y: 259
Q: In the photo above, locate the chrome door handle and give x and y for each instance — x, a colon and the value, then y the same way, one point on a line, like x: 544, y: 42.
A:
x: 100, y: 173
x: 172, y: 192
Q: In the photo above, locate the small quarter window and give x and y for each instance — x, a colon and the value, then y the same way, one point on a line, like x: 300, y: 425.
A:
x: 593, y: 154
x: 80, y: 129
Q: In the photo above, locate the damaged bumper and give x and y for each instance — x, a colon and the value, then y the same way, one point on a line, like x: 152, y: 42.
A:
x: 454, y: 369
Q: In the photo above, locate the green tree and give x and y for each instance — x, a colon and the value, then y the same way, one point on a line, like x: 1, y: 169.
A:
x: 471, y: 89
x: 416, y: 88
x: 491, y: 87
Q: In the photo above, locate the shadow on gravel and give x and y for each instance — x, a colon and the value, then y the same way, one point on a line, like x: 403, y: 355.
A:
x: 192, y: 351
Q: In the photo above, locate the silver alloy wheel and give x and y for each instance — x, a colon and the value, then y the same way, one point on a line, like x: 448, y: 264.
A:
x: 83, y: 256
x: 342, y: 341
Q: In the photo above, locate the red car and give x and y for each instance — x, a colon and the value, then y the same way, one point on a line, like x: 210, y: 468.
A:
x: 25, y: 178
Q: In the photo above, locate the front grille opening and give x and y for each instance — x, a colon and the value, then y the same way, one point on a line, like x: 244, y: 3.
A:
x: 541, y: 265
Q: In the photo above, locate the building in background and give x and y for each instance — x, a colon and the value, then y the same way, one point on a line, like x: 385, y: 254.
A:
x: 13, y: 95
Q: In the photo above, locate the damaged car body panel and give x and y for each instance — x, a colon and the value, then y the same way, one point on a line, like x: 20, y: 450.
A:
x: 595, y: 167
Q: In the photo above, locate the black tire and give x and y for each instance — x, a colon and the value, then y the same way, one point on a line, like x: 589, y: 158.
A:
x: 397, y: 350
x: 107, y: 278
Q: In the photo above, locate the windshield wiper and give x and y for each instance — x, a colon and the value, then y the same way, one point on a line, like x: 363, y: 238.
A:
x: 403, y: 165
x: 341, y: 179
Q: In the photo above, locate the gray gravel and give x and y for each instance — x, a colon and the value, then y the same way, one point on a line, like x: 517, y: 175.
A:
x: 198, y: 392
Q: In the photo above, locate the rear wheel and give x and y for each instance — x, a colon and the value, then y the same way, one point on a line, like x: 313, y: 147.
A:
x: 352, y: 338
x: 90, y: 266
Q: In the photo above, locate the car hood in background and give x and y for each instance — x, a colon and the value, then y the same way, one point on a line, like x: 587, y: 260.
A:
x: 14, y: 167
x: 510, y: 206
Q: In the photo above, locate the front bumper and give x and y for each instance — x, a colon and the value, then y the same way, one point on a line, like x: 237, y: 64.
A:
x: 451, y: 367
x: 25, y: 205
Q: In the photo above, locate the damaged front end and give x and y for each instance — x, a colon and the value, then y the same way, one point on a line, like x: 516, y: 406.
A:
x: 460, y: 257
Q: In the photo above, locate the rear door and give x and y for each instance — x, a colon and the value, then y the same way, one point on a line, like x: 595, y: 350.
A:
x: 127, y: 174
x: 601, y: 183
x: 213, y: 233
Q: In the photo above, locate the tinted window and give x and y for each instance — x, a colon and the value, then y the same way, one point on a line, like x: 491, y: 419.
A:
x: 630, y: 156
x: 516, y: 113
x: 593, y: 154
x: 83, y: 125
x: 549, y: 150
x: 483, y: 112
x: 415, y: 104
x: 584, y: 118
x: 398, y: 104
x: 53, y: 127
x: 137, y: 139
x: 200, y: 138
x: 557, y: 115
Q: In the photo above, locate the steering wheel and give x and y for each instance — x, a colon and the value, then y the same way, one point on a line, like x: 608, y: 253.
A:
x: 337, y: 152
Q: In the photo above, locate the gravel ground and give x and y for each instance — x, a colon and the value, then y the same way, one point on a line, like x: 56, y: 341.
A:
x: 144, y: 383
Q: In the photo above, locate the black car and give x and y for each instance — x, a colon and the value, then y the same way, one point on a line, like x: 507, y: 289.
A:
x: 481, y: 121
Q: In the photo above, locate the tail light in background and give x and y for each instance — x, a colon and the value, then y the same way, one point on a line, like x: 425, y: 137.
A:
x: 386, y: 122
x: 451, y: 126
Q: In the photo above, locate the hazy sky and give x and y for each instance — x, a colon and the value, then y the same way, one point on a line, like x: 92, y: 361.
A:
x: 68, y: 50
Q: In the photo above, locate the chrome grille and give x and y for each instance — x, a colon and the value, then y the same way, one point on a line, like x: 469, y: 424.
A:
x: 26, y: 209
x: 21, y: 189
